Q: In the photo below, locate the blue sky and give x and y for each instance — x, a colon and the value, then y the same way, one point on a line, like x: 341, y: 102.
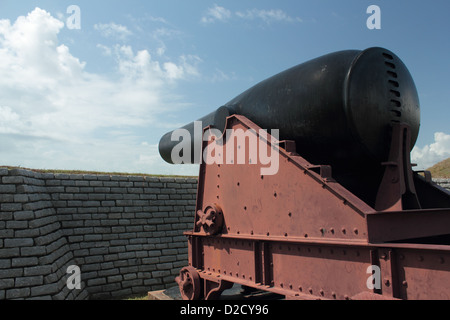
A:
x: 100, y: 97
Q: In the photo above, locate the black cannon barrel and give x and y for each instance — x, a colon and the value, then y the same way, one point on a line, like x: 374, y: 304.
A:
x: 338, y: 108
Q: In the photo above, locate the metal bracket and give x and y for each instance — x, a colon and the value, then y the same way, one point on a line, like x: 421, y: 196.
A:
x: 397, y: 191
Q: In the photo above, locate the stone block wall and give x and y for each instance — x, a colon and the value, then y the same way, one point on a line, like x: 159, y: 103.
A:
x: 125, y: 233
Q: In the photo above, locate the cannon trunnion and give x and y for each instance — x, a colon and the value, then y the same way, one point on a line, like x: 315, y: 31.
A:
x: 326, y: 224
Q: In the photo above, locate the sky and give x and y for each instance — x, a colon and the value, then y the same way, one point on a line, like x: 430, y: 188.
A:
x: 93, y: 85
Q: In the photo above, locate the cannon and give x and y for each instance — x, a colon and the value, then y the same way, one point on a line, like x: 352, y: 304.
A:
x: 343, y: 216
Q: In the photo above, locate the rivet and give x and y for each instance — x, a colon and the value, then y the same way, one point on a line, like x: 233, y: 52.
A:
x: 404, y: 283
x: 344, y: 231
x: 387, y: 282
x: 310, y: 290
x: 355, y: 231
x: 333, y: 294
x: 321, y: 292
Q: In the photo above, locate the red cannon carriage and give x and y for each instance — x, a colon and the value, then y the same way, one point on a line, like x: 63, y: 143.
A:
x: 327, y: 206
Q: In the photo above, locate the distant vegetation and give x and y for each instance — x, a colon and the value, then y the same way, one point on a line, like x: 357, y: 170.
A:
x: 441, y: 169
x: 97, y: 172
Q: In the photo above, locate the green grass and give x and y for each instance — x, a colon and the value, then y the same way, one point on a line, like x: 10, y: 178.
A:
x: 137, y: 298
x: 97, y: 172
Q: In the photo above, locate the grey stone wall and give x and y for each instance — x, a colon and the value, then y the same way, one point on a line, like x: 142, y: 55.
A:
x: 125, y: 233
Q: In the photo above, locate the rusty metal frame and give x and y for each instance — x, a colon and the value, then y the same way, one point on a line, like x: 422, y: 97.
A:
x: 303, y: 235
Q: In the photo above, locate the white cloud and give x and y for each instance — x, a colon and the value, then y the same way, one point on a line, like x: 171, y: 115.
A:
x: 268, y: 16
x: 55, y: 114
x: 113, y: 30
x: 220, y: 76
x: 105, y: 49
x: 173, y: 71
x: 156, y: 19
x: 433, y: 153
x: 216, y: 13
